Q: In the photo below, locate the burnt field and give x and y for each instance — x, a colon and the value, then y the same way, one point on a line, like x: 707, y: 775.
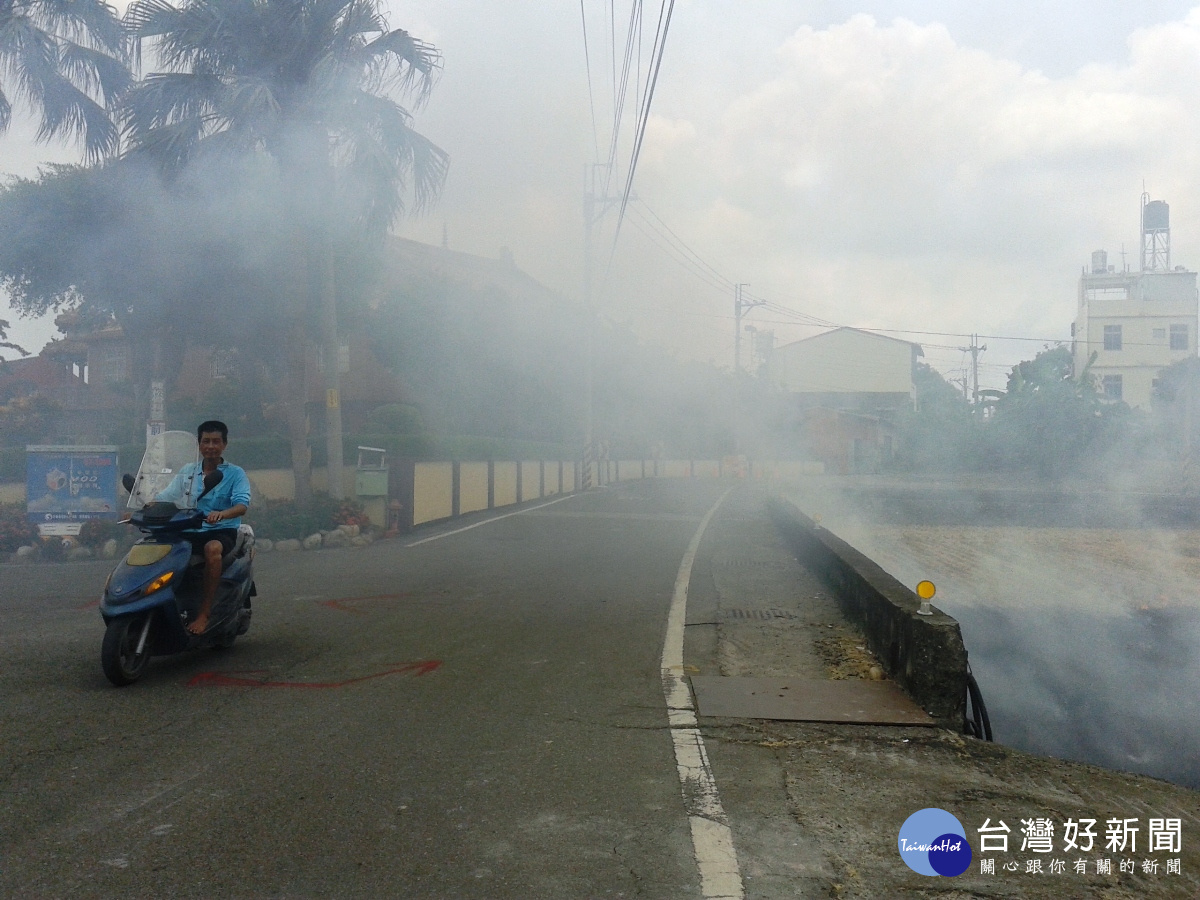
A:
x: 1083, y: 637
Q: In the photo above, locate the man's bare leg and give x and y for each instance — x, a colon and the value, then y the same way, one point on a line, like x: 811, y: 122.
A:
x: 212, y: 577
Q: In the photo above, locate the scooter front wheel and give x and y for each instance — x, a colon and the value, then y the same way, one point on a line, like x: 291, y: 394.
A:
x: 126, y: 649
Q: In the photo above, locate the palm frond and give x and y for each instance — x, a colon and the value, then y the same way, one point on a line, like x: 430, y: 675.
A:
x: 378, y: 141
x: 94, y: 71
x: 250, y: 103
x: 61, y: 55
x: 170, y: 146
x: 167, y: 97
x: 30, y: 56
x: 359, y: 19
x: 92, y: 23
x: 151, y: 18
x: 400, y: 61
x: 68, y: 111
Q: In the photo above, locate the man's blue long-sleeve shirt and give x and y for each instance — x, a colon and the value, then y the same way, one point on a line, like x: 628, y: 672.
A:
x: 233, y: 489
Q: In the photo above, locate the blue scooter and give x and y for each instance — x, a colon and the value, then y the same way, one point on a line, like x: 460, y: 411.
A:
x: 155, y: 590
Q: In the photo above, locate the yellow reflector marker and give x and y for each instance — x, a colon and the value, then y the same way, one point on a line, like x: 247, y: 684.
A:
x: 159, y: 582
x: 146, y: 554
x: 925, y: 590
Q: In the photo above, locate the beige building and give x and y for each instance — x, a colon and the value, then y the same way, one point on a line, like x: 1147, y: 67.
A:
x: 1136, y: 323
x: 847, y: 369
x: 847, y: 386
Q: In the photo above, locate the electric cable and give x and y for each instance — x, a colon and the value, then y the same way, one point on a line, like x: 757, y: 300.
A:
x: 635, y: 24
x: 696, y: 272
x: 656, y: 56
x: 587, y: 58
x: 978, y: 725
x: 680, y: 243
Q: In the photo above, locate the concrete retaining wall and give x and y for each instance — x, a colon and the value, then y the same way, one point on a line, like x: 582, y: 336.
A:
x: 925, y: 655
x: 551, y: 477
x: 433, y: 492
x: 531, y: 480
x: 472, y: 487
x: 504, y: 483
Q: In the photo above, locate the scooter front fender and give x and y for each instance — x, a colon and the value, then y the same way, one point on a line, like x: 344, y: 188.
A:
x: 168, y: 635
x: 162, y: 597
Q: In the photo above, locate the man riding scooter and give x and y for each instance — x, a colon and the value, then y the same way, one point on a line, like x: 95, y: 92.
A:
x: 223, y: 508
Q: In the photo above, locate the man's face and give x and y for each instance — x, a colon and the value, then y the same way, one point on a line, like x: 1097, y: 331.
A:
x: 212, y: 445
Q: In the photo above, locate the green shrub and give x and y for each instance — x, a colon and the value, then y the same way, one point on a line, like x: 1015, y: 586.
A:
x: 15, y: 530
x: 278, y: 520
x: 12, y: 463
x: 95, y: 532
x: 331, y: 513
x: 271, y: 452
x: 394, y: 418
x: 54, y: 549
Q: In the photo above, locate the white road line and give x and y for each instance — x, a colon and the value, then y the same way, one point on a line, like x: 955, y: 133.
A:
x: 445, y: 534
x: 712, y: 839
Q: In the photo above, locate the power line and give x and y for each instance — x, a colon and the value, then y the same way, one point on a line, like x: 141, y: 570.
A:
x: 656, y: 55
x: 587, y: 58
x: 690, y: 252
x: 635, y: 22
x: 659, y: 241
x: 667, y: 240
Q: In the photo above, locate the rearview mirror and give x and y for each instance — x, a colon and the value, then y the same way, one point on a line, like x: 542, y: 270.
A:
x: 127, y: 482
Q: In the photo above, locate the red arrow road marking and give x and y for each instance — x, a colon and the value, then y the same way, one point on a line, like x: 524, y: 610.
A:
x: 238, y: 679
x: 341, y: 603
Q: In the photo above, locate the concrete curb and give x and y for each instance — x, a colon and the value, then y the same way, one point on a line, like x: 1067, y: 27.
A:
x: 925, y: 655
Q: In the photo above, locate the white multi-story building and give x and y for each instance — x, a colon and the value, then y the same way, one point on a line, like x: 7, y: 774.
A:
x: 1136, y: 323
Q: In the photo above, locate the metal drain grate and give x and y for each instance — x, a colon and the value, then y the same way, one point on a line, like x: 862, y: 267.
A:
x: 762, y: 615
x: 744, y: 563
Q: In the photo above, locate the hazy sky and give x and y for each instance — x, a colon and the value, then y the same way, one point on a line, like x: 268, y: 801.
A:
x: 919, y: 166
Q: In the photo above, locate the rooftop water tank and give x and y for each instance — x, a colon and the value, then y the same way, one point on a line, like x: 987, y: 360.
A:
x: 1099, y: 262
x: 1156, y: 216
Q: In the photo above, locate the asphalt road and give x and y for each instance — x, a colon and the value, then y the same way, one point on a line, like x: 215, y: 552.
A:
x: 480, y: 715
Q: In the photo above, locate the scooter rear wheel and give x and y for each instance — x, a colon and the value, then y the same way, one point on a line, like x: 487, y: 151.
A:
x: 118, y: 656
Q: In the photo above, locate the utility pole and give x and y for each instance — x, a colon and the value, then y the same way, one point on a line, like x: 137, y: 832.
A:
x: 593, y: 211
x: 975, y: 349
x: 740, y: 304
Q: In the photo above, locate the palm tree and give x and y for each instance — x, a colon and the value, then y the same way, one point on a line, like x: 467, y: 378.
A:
x: 65, y: 58
x: 308, y: 83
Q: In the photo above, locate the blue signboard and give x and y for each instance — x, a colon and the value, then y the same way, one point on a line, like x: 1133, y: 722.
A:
x: 68, y: 485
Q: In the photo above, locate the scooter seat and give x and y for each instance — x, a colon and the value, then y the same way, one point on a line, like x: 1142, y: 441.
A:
x: 241, y: 546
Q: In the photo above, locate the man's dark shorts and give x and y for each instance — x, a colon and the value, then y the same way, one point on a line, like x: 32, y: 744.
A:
x: 227, y: 537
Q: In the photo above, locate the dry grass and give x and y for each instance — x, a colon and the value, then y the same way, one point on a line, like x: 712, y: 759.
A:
x: 846, y: 656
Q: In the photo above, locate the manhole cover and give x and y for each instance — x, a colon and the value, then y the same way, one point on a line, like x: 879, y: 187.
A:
x: 762, y: 615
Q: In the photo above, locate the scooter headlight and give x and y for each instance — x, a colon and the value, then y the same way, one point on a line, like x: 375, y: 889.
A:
x: 158, y: 583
